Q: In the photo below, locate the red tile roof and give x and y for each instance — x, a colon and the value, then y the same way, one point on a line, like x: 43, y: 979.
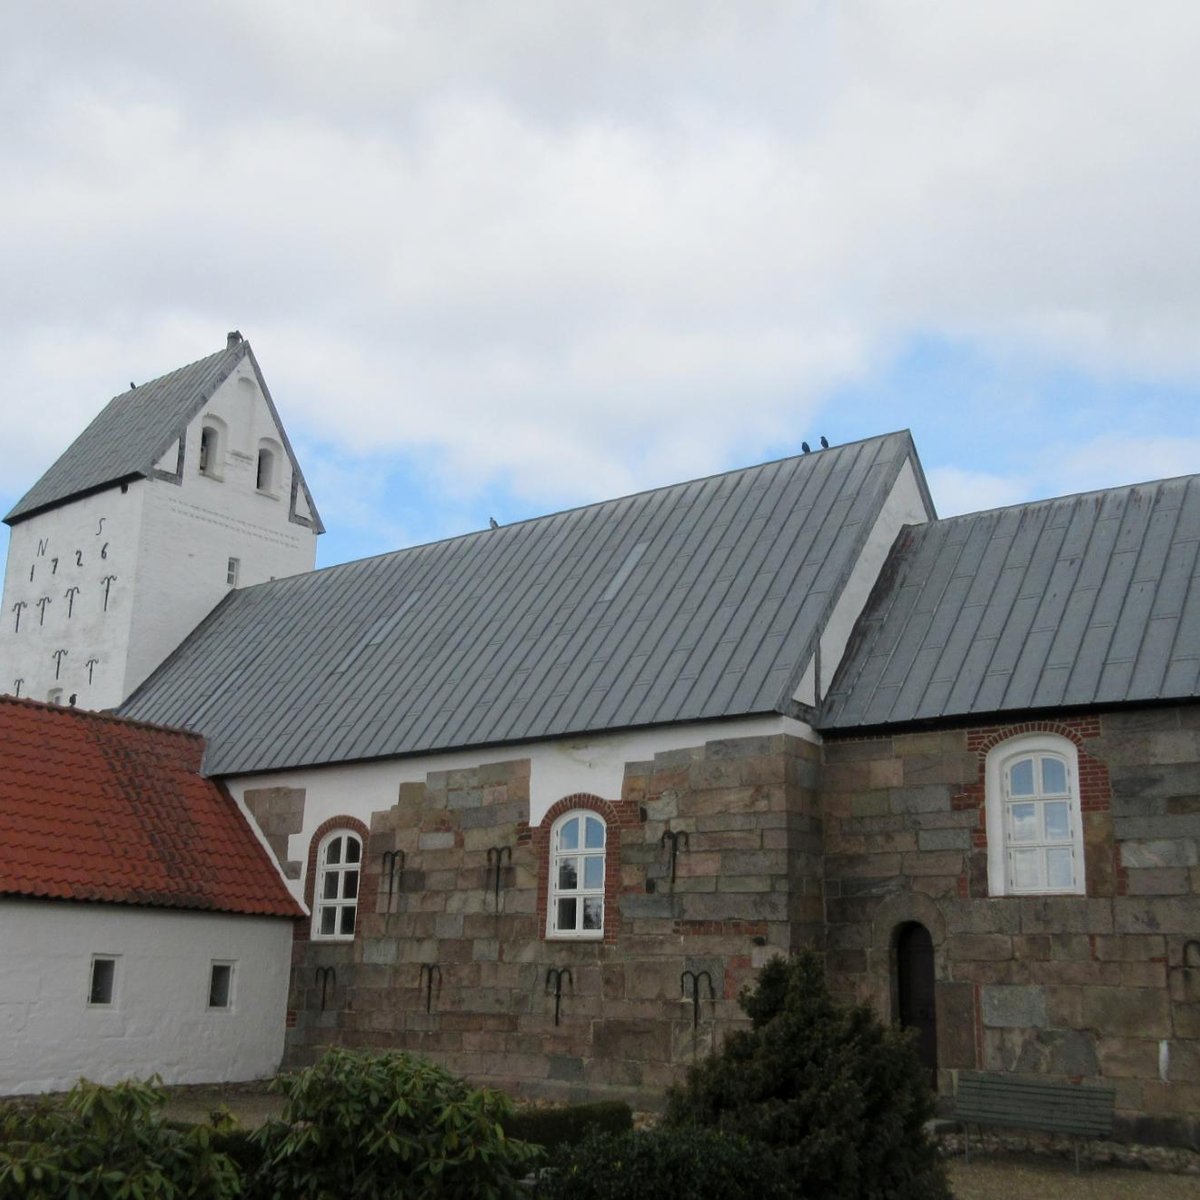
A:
x: 94, y: 807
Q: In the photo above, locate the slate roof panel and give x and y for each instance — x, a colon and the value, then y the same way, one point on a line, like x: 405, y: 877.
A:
x: 676, y: 604
x: 94, y: 808
x: 129, y: 436
x: 131, y: 433
x: 1087, y: 599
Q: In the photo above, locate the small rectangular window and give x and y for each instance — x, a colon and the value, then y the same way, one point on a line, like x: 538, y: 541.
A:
x: 220, y: 985
x: 102, y: 985
x: 231, y: 571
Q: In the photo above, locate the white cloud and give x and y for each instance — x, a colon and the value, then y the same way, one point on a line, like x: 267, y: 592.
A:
x: 956, y: 491
x: 579, y: 249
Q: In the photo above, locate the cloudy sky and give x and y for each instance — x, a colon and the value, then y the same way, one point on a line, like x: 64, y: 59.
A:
x: 502, y: 257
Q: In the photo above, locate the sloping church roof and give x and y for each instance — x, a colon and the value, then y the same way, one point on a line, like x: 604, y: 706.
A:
x: 135, y: 429
x: 689, y: 602
x: 1084, y: 600
x: 98, y: 809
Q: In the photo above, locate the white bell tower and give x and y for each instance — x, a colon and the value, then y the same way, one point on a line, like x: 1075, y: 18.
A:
x: 180, y: 489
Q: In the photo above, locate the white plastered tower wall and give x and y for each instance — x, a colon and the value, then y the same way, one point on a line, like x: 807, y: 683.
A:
x: 101, y: 588
x: 191, y: 530
x: 68, y: 598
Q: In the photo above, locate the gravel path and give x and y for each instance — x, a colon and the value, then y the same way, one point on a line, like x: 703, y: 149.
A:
x: 1034, y: 1177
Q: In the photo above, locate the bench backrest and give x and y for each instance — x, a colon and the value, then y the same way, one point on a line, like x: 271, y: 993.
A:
x: 1033, y: 1104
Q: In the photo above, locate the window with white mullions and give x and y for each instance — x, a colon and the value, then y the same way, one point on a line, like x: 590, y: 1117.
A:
x: 336, y: 895
x: 1035, y: 826
x: 577, y: 850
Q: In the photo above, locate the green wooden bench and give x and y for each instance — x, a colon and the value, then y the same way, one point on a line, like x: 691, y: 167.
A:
x: 1034, y: 1104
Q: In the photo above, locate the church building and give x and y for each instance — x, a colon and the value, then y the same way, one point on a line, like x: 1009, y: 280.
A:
x: 551, y: 793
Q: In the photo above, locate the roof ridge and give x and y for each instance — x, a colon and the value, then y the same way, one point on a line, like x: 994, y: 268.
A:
x: 1080, y: 495
x: 101, y: 716
x: 562, y: 512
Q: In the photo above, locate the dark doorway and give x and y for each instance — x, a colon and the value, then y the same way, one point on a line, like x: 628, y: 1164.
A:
x: 914, y: 991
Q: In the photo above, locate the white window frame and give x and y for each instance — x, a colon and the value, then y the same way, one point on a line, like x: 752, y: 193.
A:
x: 339, y: 901
x: 111, y: 1002
x: 233, y: 571
x: 999, y: 805
x: 581, y: 892
x: 213, y: 967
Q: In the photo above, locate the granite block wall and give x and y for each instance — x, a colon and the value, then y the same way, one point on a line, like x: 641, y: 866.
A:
x: 713, y: 864
x: 1098, y: 988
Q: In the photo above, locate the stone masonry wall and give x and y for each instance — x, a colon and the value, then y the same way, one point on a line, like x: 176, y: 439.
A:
x: 1103, y: 987
x: 448, y: 964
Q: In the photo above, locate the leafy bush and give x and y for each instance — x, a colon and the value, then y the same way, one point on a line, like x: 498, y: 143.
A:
x: 374, y: 1126
x: 840, y: 1096
x: 108, y: 1142
x: 568, y: 1124
x: 691, y: 1163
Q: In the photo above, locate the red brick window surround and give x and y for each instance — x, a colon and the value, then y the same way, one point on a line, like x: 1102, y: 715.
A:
x: 322, y: 836
x: 1034, y: 816
x: 615, y: 816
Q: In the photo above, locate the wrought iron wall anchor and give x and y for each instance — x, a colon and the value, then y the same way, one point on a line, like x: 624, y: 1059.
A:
x: 496, y: 857
x: 428, y: 971
x: 393, y: 861
x: 325, y: 976
x: 675, y: 840
x: 696, y: 977
x: 554, y: 978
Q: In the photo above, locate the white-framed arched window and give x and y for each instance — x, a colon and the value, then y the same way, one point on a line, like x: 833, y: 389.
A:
x: 1034, y: 817
x: 577, y: 857
x: 335, y: 896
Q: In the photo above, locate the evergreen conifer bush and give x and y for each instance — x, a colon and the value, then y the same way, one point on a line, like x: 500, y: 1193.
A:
x: 841, y: 1097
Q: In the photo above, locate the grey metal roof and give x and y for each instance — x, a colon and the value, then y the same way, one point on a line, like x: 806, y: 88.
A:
x: 1083, y: 600
x: 135, y: 429
x: 693, y: 601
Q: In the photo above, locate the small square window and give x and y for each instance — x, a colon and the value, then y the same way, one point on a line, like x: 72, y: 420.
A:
x: 220, y: 986
x: 103, y: 981
x: 232, y: 569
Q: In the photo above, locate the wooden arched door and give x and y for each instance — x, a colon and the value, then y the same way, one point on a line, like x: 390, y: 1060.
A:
x: 915, y: 992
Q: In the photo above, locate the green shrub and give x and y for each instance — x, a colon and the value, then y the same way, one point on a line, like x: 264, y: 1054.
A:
x: 568, y: 1124
x: 373, y: 1126
x: 840, y: 1096
x: 108, y: 1142
x: 689, y: 1163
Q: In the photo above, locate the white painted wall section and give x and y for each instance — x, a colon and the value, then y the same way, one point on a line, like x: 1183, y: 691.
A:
x: 905, y: 505
x: 159, y: 1021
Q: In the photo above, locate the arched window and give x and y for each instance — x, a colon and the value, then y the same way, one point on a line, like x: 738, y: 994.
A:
x: 266, y: 478
x: 212, y: 447
x: 577, y: 853
x: 1034, y: 821
x: 335, y: 897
